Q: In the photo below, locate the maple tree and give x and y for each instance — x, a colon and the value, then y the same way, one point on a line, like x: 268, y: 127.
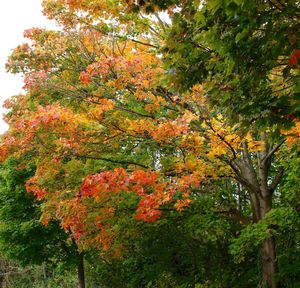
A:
x: 116, y: 111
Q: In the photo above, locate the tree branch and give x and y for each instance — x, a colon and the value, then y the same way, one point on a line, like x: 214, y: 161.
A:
x: 16, y: 272
x: 272, y: 151
x: 276, y: 180
x: 124, y: 162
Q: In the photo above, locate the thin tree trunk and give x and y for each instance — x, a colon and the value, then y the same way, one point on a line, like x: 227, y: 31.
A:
x: 80, y: 269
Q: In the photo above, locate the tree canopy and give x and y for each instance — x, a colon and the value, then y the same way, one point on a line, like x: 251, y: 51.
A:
x: 165, y: 116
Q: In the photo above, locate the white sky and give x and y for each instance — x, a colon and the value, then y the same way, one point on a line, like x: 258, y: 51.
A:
x: 15, y: 17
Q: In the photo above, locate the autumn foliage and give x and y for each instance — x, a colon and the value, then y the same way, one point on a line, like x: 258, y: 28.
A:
x: 113, y: 131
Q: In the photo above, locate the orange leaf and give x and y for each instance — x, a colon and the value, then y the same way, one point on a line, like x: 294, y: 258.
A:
x: 295, y: 56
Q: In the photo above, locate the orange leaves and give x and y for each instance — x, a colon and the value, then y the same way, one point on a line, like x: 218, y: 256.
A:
x: 294, y: 57
x: 32, y: 33
x: 72, y: 215
x: 103, y: 106
x: 293, y: 135
x: 182, y: 204
x: 144, y: 178
x: 152, y: 191
x: 116, y: 181
x: 100, y: 68
x: 140, y: 182
x: 32, y: 186
x: 165, y: 131
x: 94, y: 7
x: 148, y: 208
x: 46, y: 170
x: 105, y: 190
x: 168, y: 130
x: 4, y: 152
x: 85, y: 78
x: 53, y: 118
x: 33, y: 79
x: 105, y: 182
x: 143, y: 127
x: 139, y: 69
x: 51, y: 126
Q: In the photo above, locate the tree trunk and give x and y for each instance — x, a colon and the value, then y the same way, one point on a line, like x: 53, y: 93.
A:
x: 80, y: 271
x: 255, y: 178
x: 269, y: 263
x: 268, y: 252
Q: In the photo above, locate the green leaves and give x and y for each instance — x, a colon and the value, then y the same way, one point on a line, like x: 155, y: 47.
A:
x: 243, y: 40
x: 22, y: 236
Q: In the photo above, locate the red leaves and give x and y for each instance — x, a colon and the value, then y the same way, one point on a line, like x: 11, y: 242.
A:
x: 148, y: 209
x: 32, y: 33
x: 295, y: 56
x: 116, y: 181
x: 52, y: 115
x: 140, y: 182
x: 143, y: 178
x: 85, y: 78
x: 100, y: 68
x: 33, y: 79
x: 105, y: 182
x: 32, y: 186
x: 90, y: 215
x: 152, y: 191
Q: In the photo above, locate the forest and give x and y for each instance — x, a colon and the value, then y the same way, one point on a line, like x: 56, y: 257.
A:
x: 156, y: 144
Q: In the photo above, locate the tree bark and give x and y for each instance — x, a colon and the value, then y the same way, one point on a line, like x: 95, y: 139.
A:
x: 269, y: 263
x: 268, y: 252
x: 80, y: 271
x: 255, y: 178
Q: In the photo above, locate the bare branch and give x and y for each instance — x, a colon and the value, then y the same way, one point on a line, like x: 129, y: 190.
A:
x: 272, y: 151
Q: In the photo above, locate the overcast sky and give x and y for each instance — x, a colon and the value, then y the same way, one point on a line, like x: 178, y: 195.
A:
x: 15, y: 17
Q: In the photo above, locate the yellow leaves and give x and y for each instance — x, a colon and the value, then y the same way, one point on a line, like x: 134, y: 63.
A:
x: 103, y: 106
x: 145, y: 83
x: 256, y: 146
x: 198, y: 88
x: 223, y: 140
x: 181, y: 204
x: 192, y: 164
x: 67, y: 75
x: 144, y: 127
x: 217, y: 149
x: 193, y: 142
x: 165, y: 132
x: 97, y: 112
x: 158, y: 103
x: 293, y: 135
x: 253, y: 145
x: 152, y: 107
x: 196, y: 95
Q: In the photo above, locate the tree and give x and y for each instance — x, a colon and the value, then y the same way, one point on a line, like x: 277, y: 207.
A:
x: 246, y: 51
x: 102, y: 107
x: 246, y: 55
x: 22, y: 236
